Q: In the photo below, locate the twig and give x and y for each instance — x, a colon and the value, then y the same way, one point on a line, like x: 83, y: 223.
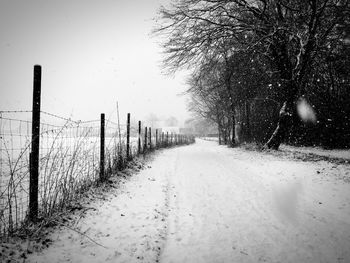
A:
x: 81, y: 234
x: 81, y: 214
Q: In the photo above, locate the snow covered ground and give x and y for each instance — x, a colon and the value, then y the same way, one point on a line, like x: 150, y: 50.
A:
x: 339, y: 153
x: 210, y: 203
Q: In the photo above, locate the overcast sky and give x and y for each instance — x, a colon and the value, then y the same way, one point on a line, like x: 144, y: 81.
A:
x: 93, y: 53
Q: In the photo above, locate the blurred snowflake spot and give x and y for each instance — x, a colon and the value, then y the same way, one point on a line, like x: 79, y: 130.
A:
x: 305, y: 111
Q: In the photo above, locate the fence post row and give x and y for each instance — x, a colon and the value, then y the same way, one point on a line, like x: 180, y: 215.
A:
x: 34, y: 155
x: 128, y: 138
x: 139, y: 140
x: 102, y: 148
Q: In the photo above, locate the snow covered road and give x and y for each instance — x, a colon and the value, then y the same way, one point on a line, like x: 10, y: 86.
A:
x: 230, y: 205
x: 209, y: 203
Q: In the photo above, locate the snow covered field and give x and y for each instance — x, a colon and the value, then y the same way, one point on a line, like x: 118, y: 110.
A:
x: 210, y: 203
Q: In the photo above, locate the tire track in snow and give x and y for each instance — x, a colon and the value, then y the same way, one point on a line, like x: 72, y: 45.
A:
x: 167, y: 189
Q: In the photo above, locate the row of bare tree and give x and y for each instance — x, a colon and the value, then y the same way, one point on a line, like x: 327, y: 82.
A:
x: 253, y: 61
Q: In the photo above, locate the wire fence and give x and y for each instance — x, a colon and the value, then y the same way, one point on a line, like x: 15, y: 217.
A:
x: 69, y: 160
x: 47, y: 161
x: 14, y: 168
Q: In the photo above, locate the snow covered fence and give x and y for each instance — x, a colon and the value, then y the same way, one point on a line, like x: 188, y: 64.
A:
x: 68, y: 162
x: 72, y: 156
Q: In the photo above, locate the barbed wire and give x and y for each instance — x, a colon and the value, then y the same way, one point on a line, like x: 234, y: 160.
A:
x: 11, y: 119
x: 15, y: 111
x: 66, y: 146
x: 89, y: 121
x: 60, y: 117
x: 48, y: 114
x: 111, y: 122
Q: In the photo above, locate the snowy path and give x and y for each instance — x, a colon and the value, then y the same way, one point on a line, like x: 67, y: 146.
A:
x: 209, y: 203
x: 229, y: 205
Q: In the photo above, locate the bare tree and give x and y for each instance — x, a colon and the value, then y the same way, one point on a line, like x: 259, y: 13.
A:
x: 290, y: 34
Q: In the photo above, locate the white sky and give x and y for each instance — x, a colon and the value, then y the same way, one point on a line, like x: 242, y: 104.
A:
x: 93, y: 53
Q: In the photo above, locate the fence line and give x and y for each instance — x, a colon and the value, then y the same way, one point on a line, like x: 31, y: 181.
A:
x: 72, y: 156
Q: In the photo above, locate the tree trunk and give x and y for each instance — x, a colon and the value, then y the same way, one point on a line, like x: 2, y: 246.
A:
x: 224, y: 132
x: 221, y: 129
x: 247, y: 111
x: 229, y: 72
x: 284, y: 122
x: 233, y: 142
x: 228, y: 131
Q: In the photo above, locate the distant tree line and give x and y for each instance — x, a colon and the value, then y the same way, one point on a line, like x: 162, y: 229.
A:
x: 253, y: 61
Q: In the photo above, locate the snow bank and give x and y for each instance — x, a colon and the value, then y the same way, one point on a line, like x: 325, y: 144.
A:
x: 335, y: 154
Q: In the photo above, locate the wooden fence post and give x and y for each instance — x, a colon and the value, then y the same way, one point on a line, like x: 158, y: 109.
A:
x: 128, y: 138
x: 102, y: 148
x: 34, y: 155
x: 145, y: 142
x: 156, y: 138
x: 167, y: 139
x: 150, y: 138
x: 139, y: 140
